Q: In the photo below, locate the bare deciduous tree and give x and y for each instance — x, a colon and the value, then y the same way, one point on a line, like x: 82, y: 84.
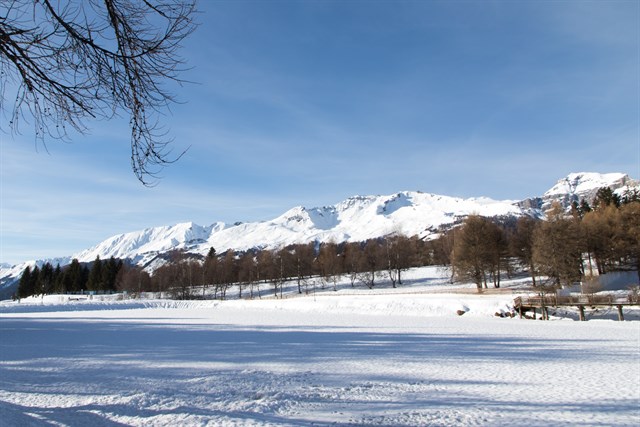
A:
x: 330, y: 264
x: 478, y: 250
x: 522, y: 243
x: 372, y: 261
x: 399, y: 252
x: 557, y: 248
x: 69, y: 60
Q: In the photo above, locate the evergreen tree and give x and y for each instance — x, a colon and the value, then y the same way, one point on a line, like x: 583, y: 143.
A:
x: 45, y: 280
x: 84, y: 278
x: 606, y: 197
x: 584, y: 207
x: 211, y: 253
x: 25, y: 286
x: 95, y: 276
x: 631, y: 196
x: 108, y: 273
x: 58, y: 280
x: 73, y: 280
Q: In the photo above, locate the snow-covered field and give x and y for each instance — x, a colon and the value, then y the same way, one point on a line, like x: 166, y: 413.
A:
x: 392, y: 358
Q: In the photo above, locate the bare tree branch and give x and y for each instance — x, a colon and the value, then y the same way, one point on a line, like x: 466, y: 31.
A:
x: 75, y: 59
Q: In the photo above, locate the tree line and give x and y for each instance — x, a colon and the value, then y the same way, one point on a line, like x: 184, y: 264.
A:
x: 100, y: 276
x: 257, y: 272
x: 564, y: 248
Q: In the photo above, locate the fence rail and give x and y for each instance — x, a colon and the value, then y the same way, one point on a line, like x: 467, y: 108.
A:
x: 524, y: 304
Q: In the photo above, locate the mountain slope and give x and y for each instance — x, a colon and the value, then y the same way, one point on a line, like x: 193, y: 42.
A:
x: 582, y: 185
x: 356, y: 219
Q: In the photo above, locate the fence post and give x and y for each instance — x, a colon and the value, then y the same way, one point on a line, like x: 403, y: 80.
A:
x: 581, y: 311
x: 620, y: 315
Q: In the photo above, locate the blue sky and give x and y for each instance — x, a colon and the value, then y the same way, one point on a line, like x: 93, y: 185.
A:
x: 310, y: 102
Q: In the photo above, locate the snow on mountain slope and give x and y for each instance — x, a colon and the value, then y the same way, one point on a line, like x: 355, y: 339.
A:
x: 142, y: 246
x: 582, y: 185
x: 9, y: 274
x: 585, y: 182
x: 356, y: 219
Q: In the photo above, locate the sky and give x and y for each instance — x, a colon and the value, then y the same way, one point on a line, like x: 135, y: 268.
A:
x: 310, y: 102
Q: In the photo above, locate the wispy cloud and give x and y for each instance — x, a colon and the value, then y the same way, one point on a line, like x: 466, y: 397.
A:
x: 309, y: 103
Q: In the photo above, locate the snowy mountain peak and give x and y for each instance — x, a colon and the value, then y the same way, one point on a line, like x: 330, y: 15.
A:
x: 296, y: 214
x: 357, y: 218
x: 148, y: 241
x: 585, y: 182
x: 581, y: 185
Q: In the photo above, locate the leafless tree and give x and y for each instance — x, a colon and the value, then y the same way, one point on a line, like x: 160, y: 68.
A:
x: 247, y: 273
x: 133, y: 279
x: 302, y: 256
x: 477, y: 251
x: 399, y: 252
x: 329, y: 262
x: 628, y: 234
x: 557, y: 248
x: 351, y: 255
x: 521, y: 243
x: 372, y: 261
x: 69, y: 60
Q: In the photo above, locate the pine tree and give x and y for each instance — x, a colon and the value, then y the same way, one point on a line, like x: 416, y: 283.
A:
x: 606, y: 197
x: 211, y: 253
x: 108, y: 273
x: 35, y: 280
x: 95, y: 276
x: 631, y: 196
x: 58, y: 285
x: 73, y: 280
x: 25, y: 285
x: 83, y: 279
x: 584, y: 207
x: 45, y: 280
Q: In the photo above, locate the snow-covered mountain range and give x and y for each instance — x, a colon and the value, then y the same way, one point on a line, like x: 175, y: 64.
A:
x: 356, y: 219
x: 577, y: 186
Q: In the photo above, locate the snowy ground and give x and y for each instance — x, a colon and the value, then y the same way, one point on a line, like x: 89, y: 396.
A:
x: 397, y: 357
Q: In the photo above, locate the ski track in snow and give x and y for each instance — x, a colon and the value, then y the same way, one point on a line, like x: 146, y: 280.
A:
x: 384, y: 360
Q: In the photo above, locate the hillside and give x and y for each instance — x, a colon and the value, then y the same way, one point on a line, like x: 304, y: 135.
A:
x: 355, y: 219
